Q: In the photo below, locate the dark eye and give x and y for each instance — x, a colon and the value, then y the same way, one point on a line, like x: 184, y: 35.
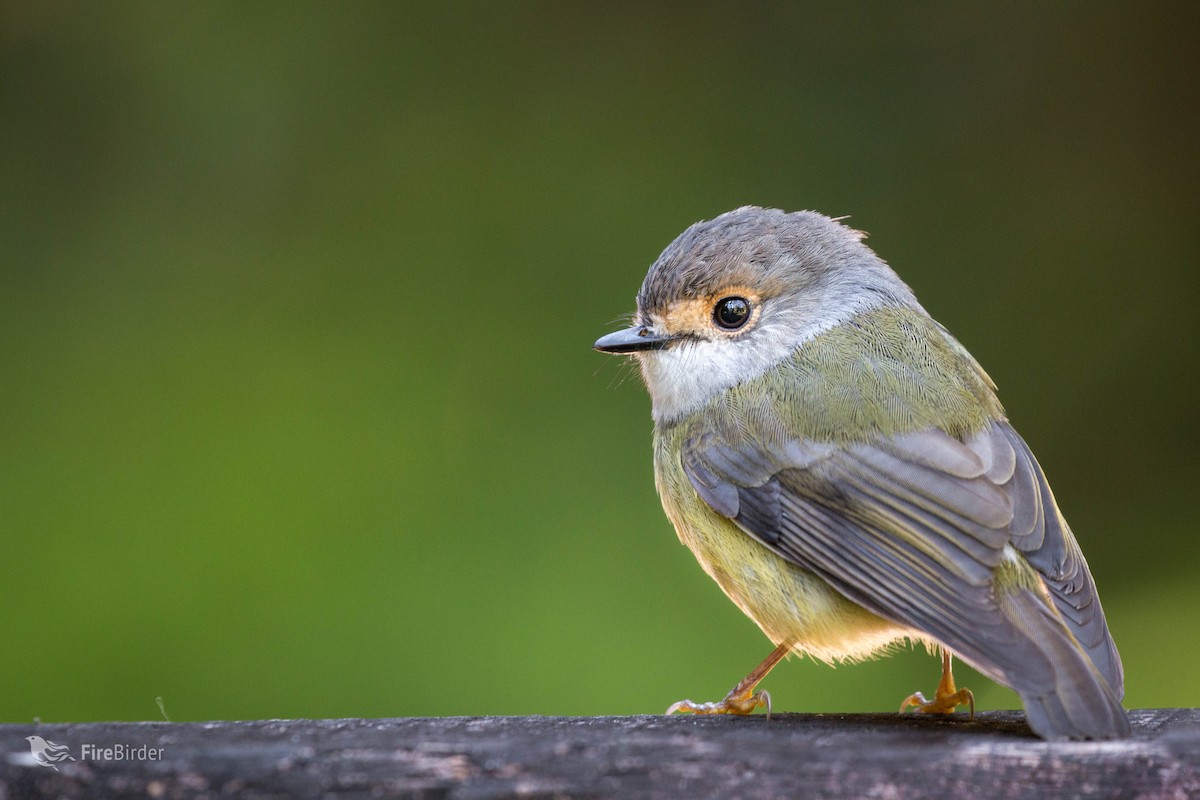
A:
x: 731, y: 313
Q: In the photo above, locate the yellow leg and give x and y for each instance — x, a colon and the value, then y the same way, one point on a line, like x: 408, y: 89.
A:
x: 742, y: 699
x: 946, y: 699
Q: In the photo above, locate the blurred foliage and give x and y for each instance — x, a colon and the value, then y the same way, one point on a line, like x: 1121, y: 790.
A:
x: 300, y: 416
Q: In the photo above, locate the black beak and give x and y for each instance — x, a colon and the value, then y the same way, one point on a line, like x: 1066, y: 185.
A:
x: 631, y: 340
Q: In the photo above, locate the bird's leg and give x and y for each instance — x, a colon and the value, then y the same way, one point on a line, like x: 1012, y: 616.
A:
x: 946, y: 699
x: 742, y: 699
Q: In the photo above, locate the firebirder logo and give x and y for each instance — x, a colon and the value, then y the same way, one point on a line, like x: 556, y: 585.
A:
x: 47, y: 753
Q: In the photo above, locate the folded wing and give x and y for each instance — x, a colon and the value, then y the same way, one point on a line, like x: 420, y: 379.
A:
x: 960, y: 539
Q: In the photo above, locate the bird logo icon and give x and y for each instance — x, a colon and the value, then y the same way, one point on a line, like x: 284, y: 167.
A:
x: 48, y: 754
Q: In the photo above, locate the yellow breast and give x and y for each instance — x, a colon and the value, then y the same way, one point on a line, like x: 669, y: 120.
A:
x: 789, y: 604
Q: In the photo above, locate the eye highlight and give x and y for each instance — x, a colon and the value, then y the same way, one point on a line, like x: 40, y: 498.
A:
x: 731, y: 313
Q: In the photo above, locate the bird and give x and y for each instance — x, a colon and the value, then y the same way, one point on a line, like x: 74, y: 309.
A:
x: 47, y: 753
x: 842, y: 467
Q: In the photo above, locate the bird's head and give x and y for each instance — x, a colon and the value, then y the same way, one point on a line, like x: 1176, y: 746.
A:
x: 732, y: 297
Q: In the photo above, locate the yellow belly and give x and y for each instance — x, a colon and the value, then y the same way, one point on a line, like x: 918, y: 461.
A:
x: 789, y: 604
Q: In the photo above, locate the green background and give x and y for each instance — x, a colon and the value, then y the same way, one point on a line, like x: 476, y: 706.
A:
x: 298, y: 411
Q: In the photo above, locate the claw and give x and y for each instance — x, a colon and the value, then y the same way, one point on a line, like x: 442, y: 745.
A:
x: 916, y: 699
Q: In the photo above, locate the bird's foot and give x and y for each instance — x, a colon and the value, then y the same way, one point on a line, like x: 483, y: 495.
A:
x: 940, y: 704
x: 742, y: 699
x: 945, y: 699
x: 741, y: 704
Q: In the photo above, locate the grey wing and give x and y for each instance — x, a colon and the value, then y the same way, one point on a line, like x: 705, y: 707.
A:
x: 915, y: 528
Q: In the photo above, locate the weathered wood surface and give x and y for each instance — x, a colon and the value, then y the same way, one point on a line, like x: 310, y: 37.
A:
x: 790, y: 755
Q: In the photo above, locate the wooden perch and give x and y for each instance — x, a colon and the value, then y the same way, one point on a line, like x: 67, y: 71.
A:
x: 790, y: 755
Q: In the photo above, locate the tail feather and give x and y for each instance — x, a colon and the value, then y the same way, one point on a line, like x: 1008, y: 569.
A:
x: 1078, y: 703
